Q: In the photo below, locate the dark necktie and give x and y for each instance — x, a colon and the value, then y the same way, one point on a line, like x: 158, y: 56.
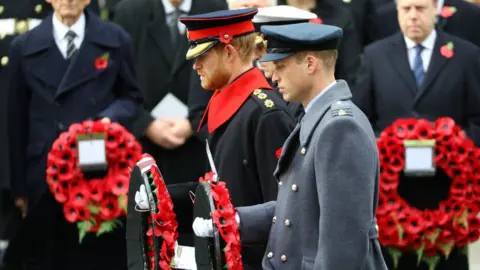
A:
x: 418, y: 70
x: 71, y: 48
x: 173, y: 25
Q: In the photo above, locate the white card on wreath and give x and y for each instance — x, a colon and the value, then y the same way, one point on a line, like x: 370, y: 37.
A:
x: 419, y: 156
x: 170, y: 106
x: 184, y: 258
x: 91, y: 152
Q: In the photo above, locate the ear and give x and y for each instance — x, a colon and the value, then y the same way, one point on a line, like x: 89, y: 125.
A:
x: 230, y: 52
x: 312, y: 63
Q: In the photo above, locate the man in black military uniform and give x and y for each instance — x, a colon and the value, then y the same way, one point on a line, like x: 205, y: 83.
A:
x: 246, y: 120
x: 164, y: 72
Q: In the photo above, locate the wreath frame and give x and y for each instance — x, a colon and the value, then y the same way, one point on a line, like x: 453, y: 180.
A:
x: 224, y: 220
x: 456, y: 222
x: 162, y: 220
x: 95, y: 205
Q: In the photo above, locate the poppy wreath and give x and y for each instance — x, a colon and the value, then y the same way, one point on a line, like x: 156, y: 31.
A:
x: 95, y: 205
x: 164, y: 223
x: 224, y: 219
x: 456, y: 222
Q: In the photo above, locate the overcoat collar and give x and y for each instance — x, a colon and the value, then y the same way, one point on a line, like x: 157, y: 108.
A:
x: 339, y: 91
x: 99, y: 39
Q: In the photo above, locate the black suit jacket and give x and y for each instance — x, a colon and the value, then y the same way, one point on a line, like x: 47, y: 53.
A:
x: 163, y: 69
x: 461, y: 24
x: 363, y: 12
x: 386, y: 89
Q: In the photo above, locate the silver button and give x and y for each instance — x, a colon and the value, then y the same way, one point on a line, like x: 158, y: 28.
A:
x: 270, y: 255
x: 376, y: 227
x: 283, y: 258
x: 294, y: 188
x: 4, y: 60
x: 280, y: 183
x: 287, y: 223
x: 303, y: 151
x: 274, y: 219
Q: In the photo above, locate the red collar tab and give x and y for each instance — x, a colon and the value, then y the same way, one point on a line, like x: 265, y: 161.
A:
x: 225, y: 33
x: 225, y: 103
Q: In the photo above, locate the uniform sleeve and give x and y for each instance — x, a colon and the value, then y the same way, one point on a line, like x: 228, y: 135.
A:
x: 129, y: 98
x: 18, y: 101
x: 473, y: 98
x: 255, y: 223
x: 345, y: 172
x: 273, y: 129
x: 362, y: 91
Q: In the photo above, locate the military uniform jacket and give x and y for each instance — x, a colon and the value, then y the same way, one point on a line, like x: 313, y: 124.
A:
x: 246, y: 144
x: 324, y: 216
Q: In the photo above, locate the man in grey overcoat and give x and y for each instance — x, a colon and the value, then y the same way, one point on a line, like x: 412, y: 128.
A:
x: 328, y: 171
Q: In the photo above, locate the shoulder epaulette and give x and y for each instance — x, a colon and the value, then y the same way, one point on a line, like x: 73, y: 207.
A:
x: 261, y: 96
x: 341, y: 108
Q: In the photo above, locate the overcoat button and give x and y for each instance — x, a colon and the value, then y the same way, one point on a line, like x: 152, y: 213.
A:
x: 294, y: 188
x: 92, y: 101
x: 270, y: 255
x: 61, y: 126
x: 280, y: 183
x: 376, y: 227
x: 274, y: 219
x: 283, y: 258
x: 4, y: 60
x: 287, y: 223
x: 245, y: 162
x: 303, y: 151
x: 38, y: 8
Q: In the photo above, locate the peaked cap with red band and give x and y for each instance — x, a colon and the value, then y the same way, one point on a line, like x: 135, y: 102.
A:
x: 206, y: 30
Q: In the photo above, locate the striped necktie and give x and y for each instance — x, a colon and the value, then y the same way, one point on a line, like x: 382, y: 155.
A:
x: 418, y: 70
x: 71, y: 48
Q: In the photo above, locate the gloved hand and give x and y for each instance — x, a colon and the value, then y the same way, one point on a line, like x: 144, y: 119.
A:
x: 141, y: 199
x: 203, y: 227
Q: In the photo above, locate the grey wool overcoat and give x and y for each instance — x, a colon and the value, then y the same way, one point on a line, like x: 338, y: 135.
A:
x: 328, y: 175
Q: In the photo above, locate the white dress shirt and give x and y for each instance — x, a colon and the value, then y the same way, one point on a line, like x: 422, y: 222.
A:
x: 60, y: 30
x: 428, y: 45
x: 310, y: 104
x: 185, y: 7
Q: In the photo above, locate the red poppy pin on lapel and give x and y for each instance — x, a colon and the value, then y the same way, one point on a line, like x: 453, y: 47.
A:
x: 447, y: 50
x: 278, y: 153
x: 102, y: 61
x: 447, y: 12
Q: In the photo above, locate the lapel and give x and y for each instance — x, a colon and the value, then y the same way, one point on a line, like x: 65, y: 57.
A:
x: 339, y: 91
x: 158, y: 30
x: 40, y: 53
x: 98, y: 40
x: 289, y: 148
x: 180, y: 56
x: 399, y: 59
x: 437, y: 62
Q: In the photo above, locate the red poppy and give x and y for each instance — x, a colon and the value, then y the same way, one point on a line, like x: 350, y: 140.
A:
x: 446, y: 51
x: 70, y: 212
x: 101, y: 63
x: 423, y: 129
x: 119, y: 184
x: 96, y: 189
x: 448, y: 11
x: 79, y: 196
x: 316, y: 21
x: 278, y: 153
x: 109, y: 208
x: 414, y: 224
